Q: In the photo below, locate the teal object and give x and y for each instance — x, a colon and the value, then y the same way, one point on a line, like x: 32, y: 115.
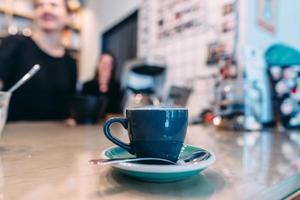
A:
x: 159, y: 173
x: 151, y: 130
x: 282, y: 55
x: 160, y: 177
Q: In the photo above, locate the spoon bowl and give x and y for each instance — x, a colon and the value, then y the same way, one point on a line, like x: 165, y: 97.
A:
x: 193, y: 157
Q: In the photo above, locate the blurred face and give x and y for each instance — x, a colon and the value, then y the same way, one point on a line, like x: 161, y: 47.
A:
x: 105, y: 67
x: 51, y: 15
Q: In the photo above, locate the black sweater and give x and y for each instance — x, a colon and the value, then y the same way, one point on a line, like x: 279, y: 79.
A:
x: 45, y: 96
x: 114, y: 94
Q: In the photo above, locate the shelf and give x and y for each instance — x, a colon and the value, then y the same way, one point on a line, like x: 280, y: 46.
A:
x: 27, y: 15
x: 23, y: 14
x: 73, y: 27
x: 73, y: 49
x: 16, y: 13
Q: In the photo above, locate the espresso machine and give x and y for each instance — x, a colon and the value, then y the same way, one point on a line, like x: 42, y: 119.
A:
x: 143, y: 81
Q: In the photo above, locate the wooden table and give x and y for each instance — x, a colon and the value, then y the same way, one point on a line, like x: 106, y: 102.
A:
x: 49, y: 160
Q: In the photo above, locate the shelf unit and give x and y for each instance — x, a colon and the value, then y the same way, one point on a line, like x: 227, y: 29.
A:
x: 14, y: 12
x: 71, y: 36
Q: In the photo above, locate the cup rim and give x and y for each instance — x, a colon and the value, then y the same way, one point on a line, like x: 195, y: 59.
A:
x: 157, y: 108
x: 5, y: 93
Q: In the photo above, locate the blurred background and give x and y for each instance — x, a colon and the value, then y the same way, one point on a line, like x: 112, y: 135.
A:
x: 199, y: 54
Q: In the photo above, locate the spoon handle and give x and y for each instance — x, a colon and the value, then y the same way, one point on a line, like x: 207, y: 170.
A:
x: 120, y: 160
x: 25, y: 78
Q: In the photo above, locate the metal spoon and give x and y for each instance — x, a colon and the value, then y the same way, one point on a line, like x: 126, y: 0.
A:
x: 25, y: 78
x: 194, y: 157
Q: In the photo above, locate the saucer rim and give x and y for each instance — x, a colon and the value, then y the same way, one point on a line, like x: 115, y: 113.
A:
x: 153, y: 168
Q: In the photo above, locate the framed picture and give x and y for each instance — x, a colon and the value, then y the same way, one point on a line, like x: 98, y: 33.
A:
x: 267, y: 14
x: 216, y: 51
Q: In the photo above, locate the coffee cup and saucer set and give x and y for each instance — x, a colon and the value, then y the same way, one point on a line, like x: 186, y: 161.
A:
x: 156, y: 151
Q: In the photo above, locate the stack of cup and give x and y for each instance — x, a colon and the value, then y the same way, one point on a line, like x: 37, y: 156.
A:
x: 4, y: 104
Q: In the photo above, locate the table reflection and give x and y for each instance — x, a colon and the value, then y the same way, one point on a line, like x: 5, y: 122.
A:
x: 50, y: 161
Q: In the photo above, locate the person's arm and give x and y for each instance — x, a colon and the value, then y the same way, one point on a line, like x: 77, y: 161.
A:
x: 8, y: 52
x: 73, y: 81
x: 74, y: 76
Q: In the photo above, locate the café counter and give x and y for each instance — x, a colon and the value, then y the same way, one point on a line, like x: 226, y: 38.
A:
x: 50, y: 160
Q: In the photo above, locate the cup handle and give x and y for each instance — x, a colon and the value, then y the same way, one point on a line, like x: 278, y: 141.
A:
x: 107, y: 133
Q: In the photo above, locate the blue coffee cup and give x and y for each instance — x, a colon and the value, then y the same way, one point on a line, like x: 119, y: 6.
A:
x: 157, y: 132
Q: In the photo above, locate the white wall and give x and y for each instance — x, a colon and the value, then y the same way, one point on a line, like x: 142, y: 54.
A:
x: 109, y: 12
x: 100, y: 15
x: 89, y: 45
x: 186, y: 52
x: 288, y: 29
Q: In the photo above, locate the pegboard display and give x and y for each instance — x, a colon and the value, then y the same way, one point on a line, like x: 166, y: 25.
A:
x: 182, y: 31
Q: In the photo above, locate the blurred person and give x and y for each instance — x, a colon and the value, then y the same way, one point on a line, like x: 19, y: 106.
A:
x: 105, y: 83
x: 44, y: 97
